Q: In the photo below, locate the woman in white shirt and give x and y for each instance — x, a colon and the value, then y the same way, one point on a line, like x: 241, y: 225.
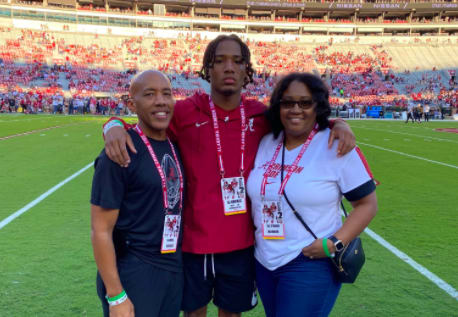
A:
x: 295, y: 276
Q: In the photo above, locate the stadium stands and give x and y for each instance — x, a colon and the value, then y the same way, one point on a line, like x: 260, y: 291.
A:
x: 89, y: 66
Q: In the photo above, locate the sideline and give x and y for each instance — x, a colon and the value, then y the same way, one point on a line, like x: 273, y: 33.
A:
x: 423, y: 271
x: 33, y: 203
x: 408, y: 134
x: 409, y: 155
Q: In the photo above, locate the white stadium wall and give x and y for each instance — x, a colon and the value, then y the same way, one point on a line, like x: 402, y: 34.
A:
x: 164, y: 33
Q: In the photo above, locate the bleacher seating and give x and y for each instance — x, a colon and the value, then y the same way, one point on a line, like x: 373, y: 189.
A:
x: 77, y: 64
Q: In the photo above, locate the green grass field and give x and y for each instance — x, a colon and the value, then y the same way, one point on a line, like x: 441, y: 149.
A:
x: 46, y: 263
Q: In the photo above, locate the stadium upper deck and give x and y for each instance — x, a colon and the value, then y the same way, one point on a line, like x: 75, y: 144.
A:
x: 350, y: 17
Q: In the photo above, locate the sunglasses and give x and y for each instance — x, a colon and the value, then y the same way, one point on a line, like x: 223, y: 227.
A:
x: 303, y: 104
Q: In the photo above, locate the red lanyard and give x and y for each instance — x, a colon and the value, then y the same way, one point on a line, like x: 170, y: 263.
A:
x: 159, y: 168
x: 292, y: 168
x: 219, y: 147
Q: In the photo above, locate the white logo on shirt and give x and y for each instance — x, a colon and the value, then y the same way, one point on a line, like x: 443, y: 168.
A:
x: 202, y: 123
x: 250, y: 125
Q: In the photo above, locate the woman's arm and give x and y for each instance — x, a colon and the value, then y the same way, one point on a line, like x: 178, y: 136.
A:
x: 364, y: 211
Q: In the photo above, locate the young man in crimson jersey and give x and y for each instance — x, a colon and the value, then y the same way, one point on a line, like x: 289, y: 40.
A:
x: 218, y: 136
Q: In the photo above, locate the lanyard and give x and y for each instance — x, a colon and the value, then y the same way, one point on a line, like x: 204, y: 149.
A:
x: 219, y: 148
x: 159, y: 168
x: 292, y: 168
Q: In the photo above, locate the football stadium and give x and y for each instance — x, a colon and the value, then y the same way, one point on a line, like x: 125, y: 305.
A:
x: 390, y: 68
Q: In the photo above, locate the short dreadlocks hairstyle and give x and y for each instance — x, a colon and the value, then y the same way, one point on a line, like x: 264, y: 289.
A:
x: 209, y: 57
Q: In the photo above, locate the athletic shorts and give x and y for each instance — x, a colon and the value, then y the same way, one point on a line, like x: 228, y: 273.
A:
x: 227, y: 278
x: 153, y: 291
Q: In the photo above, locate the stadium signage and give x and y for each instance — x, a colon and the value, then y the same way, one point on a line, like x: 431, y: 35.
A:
x: 390, y: 5
x: 205, y: 1
x: 445, y: 5
x: 345, y: 6
x: 276, y: 4
x: 186, y: 2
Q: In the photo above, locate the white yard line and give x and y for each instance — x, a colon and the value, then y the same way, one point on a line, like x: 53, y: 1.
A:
x: 409, y: 155
x: 423, y: 271
x: 29, y: 132
x: 33, y: 203
x: 39, y: 130
x: 404, y: 133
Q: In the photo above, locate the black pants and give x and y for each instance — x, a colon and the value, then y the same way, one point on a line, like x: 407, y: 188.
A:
x: 409, y: 116
x: 154, y: 292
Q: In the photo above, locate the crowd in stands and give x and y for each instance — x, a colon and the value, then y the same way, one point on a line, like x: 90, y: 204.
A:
x: 46, y: 101
x: 42, y: 71
x: 430, y: 89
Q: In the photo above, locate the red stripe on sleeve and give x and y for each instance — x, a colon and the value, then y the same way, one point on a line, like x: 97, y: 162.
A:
x: 363, y: 159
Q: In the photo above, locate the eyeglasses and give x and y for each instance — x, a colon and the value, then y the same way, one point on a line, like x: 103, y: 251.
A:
x: 303, y: 104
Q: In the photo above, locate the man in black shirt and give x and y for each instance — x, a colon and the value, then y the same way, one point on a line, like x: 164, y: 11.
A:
x: 136, y: 212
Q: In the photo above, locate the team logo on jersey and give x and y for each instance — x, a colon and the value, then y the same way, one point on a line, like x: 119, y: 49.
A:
x: 273, y: 170
x: 250, y: 125
x: 172, y: 180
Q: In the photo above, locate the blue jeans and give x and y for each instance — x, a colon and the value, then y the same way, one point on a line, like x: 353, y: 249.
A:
x: 302, y: 287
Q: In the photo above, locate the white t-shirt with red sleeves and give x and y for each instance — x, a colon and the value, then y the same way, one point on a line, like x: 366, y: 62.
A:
x: 315, y: 190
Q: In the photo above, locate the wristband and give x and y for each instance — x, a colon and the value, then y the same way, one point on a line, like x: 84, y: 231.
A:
x: 118, y: 299
x: 111, y: 124
x: 326, y: 250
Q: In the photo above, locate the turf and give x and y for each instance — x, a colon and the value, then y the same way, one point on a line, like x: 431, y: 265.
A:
x: 46, y: 263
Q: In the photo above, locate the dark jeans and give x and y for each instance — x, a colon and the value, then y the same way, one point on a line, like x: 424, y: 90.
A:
x: 302, y: 287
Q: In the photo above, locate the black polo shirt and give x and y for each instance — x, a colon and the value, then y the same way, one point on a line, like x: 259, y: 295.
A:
x: 137, y: 192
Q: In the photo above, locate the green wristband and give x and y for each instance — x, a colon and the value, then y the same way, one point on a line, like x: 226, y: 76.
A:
x: 325, y: 248
x: 111, y: 124
x: 115, y: 298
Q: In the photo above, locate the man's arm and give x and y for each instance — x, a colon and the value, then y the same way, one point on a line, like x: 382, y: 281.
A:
x: 116, y: 139
x: 102, y: 224
x: 342, y: 131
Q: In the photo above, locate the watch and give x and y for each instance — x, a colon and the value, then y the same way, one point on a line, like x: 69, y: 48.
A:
x: 337, y: 243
